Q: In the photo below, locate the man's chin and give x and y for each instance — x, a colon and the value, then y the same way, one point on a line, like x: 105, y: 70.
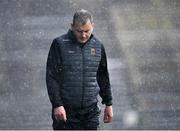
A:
x: 82, y: 41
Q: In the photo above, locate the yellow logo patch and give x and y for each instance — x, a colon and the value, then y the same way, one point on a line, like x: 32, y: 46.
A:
x: 93, y: 51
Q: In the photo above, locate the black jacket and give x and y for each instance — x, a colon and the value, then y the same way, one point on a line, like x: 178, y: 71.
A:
x: 76, y: 74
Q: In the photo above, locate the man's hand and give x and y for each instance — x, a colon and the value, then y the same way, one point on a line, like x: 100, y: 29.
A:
x: 108, y: 114
x: 60, y: 113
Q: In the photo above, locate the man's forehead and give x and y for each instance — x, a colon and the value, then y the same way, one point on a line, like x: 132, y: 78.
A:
x: 88, y: 22
x: 83, y: 26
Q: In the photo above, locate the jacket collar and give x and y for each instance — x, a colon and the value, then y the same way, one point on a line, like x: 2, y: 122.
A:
x: 71, y: 35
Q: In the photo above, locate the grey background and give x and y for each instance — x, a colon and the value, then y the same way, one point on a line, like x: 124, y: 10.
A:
x: 141, y: 38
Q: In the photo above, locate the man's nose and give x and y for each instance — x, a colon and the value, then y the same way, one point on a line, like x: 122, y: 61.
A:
x: 83, y: 34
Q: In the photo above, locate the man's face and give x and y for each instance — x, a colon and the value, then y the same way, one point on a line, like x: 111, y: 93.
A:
x: 81, y: 31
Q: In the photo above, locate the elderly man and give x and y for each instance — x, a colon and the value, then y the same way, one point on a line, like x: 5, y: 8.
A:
x: 76, y: 73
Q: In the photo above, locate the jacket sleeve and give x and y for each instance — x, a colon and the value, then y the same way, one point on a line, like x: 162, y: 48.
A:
x: 103, y: 79
x: 53, y: 71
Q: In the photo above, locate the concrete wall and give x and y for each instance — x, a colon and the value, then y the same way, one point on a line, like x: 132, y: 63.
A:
x: 142, y: 43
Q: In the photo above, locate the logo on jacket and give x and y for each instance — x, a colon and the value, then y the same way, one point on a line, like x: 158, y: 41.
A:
x: 71, y: 52
x: 93, y: 51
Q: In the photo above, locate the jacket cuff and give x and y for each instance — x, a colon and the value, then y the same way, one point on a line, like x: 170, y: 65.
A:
x: 108, y: 103
x: 57, y: 105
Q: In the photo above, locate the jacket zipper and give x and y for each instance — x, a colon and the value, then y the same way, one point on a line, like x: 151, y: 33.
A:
x: 82, y: 54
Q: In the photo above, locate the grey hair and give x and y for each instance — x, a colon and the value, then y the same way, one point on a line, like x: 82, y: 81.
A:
x: 82, y: 16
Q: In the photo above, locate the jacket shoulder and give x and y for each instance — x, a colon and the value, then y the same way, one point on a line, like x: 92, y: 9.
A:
x: 62, y: 39
x: 97, y: 41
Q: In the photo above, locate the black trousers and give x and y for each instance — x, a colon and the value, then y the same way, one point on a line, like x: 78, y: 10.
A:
x: 79, y: 119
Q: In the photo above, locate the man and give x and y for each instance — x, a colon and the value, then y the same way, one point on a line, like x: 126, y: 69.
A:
x: 76, y: 73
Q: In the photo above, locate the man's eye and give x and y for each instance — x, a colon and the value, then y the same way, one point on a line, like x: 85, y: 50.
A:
x: 80, y: 31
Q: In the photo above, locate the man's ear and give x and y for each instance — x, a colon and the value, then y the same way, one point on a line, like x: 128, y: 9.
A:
x: 93, y: 25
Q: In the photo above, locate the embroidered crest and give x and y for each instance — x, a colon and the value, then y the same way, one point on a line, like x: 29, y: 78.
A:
x: 71, y: 52
x: 93, y: 51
